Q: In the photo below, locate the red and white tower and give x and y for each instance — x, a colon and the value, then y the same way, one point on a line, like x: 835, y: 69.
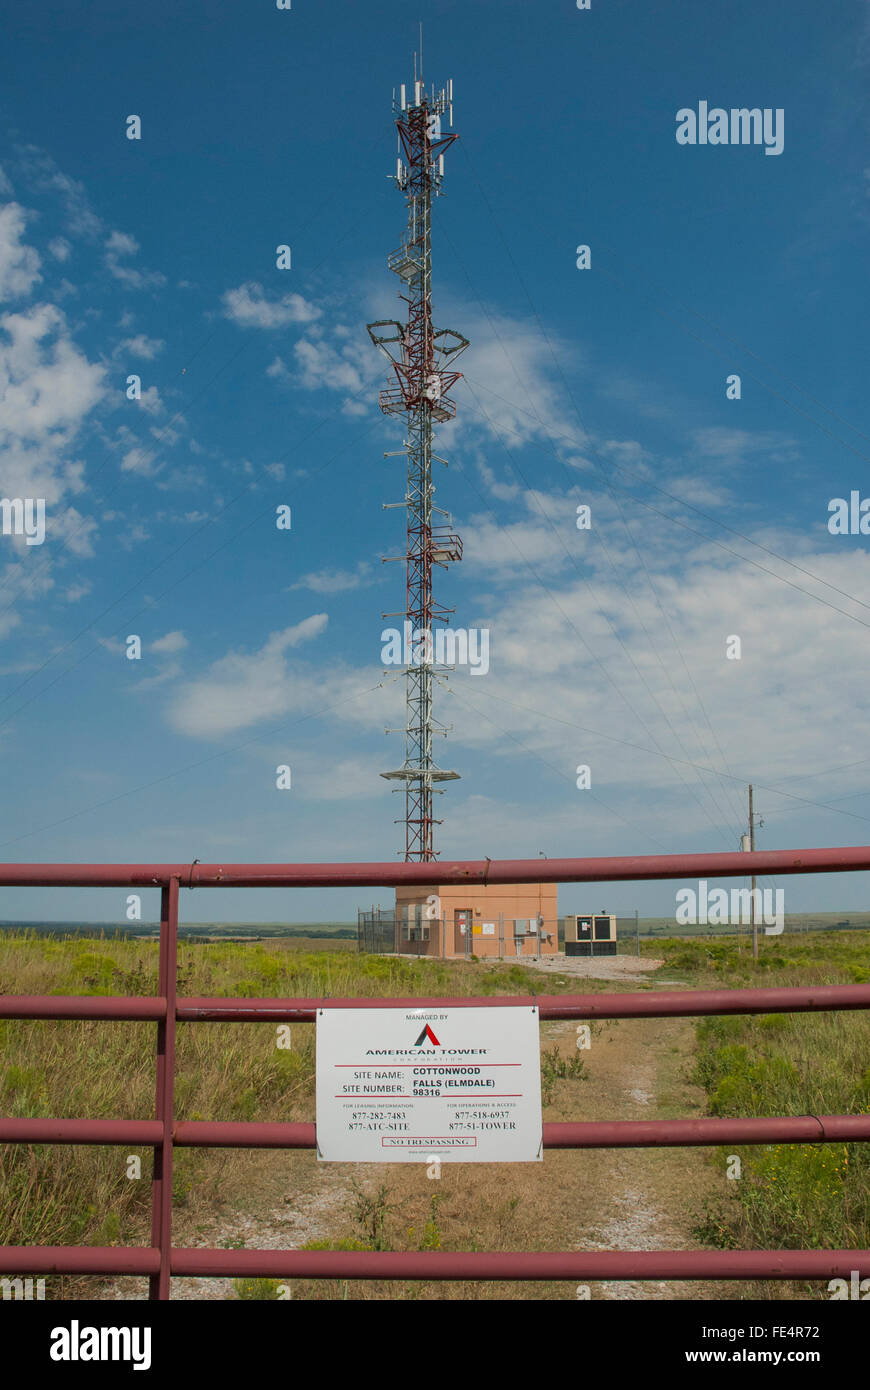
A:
x: 422, y: 362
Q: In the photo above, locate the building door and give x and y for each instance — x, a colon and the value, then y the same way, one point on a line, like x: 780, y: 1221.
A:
x: 462, y: 921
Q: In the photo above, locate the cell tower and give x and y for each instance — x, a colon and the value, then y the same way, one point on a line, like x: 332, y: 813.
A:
x: 422, y: 361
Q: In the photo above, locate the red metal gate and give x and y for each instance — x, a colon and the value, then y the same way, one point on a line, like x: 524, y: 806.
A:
x: 161, y: 1260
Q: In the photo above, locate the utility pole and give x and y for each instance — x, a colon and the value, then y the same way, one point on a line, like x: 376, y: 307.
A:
x: 422, y: 359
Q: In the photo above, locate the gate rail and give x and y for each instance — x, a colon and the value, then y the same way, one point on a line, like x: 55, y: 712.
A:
x: 161, y: 1260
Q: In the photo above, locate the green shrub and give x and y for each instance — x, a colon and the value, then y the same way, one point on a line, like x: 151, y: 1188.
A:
x: 262, y: 1289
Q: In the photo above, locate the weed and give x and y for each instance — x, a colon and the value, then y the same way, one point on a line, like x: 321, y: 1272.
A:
x: 262, y: 1289
x: 369, y: 1212
x: 555, y: 1067
x: 430, y: 1236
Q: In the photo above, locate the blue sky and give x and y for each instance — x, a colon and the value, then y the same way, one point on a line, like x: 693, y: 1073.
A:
x: 605, y: 386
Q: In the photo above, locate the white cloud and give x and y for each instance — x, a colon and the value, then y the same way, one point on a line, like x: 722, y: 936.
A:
x: 82, y: 220
x: 350, y: 778
x: 697, y: 491
x: 172, y: 642
x: 142, y: 346
x: 121, y: 245
x: 500, y: 550
x: 515, y: 365
x: 503, y: 492
x: 733, y: 446
x: 775, y: 700
x: 75, y: 530
x: 19, y: 263
x: 165, y: 676
x: 60, y: 248
x: 46, y: 388
x: 189, y: 478
x: 248, y: 307
x: 150, y: 401
x: 322, y: 365
x: 139, y: 460
x: 335, y: 581
x: 241, y: 688
x: 626, y: 451
x: 74, y: 592
x: 327, y: 360
x: 134, y: 534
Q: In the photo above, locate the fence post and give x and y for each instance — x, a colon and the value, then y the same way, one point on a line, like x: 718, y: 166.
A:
x: 636, y: 932
x: 161, y: 1184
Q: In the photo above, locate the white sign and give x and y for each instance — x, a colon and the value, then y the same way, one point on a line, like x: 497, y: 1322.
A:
x: 489, y: 928
x: 410, y: 1085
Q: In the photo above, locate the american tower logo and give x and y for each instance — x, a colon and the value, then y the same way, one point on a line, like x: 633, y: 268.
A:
x: 427, y: 1033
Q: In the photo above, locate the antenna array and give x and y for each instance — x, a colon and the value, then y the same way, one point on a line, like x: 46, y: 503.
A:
x: 421, y: 359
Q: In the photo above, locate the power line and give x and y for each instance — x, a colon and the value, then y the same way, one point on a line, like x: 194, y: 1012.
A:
x: 592, y: 654
x: 713, y: 540
x: 743, y: 348
x: 757, y: 379
x: 625, y: 743
x: 558, y: 771
x: 625, y: 649
x: 190, y: 767
x: 558, y: 366
x: 558, y: 534
x: 620, y: 467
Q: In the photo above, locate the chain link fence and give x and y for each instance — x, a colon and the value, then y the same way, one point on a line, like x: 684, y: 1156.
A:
x: 409, y: 930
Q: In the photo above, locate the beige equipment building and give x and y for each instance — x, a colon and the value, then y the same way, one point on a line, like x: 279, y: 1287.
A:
x: 500, y: 919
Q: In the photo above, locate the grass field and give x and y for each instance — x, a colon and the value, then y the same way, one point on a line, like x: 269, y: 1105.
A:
x: 54, y: 1195
x: 787, y: 1195
x: 795, y: 924
x: 188, y: 931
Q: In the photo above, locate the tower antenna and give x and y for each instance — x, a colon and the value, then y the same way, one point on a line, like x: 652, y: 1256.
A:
x: 422, y: 361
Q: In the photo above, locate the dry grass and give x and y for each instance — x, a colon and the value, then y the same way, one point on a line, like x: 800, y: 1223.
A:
x: 790, y: 1195
x: 797, y: 1196
x: 82, y: 1194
